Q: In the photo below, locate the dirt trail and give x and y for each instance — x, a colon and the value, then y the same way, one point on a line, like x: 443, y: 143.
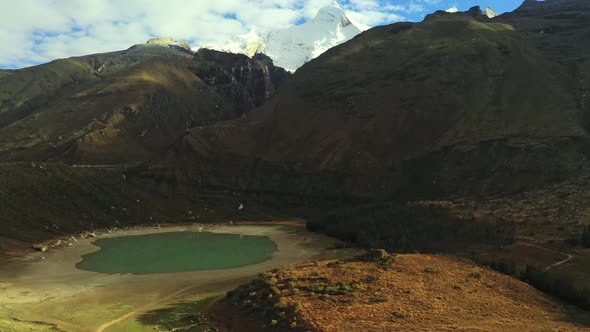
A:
x: 128, y: 165
x: 142, y: 309
x: 567, y: 259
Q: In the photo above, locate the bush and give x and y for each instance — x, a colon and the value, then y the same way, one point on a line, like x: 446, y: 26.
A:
x: 377, y: 299
x: 326, y: 288
x: 474, y: 275
x: 399, y: 314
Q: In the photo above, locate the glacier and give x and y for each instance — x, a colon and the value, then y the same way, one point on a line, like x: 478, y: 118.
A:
x: 292, y: 47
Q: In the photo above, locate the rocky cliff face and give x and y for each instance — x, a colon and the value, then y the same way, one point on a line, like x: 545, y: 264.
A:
x: 248, y: 82
x: 125, y: 106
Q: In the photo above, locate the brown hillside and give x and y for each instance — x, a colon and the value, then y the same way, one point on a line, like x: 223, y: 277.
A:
x: 125, y: 106
x: 457, y: 104
x: 401, y: 293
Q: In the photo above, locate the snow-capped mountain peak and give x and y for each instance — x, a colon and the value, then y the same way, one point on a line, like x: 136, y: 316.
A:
x: 292, y: 47
x: 332, y: 14
x: 489, y: 12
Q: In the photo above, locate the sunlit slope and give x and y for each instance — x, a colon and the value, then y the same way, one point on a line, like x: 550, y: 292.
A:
x: 122, y: 106
x: 396, y: 293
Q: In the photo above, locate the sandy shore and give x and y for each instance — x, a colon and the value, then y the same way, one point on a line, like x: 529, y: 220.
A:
x: 47, y: 287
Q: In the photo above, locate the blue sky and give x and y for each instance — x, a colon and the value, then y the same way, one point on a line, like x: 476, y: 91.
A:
x: 38, y: 31
x: 500, y: 6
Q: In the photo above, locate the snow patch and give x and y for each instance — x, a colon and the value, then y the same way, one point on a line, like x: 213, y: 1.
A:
x: 489, y: 12
x: 292, y: 47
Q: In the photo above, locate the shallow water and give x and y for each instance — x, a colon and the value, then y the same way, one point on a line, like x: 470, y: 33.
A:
x: 177, y: 252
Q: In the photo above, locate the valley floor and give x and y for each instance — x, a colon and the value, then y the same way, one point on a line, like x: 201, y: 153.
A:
x: 45, y: 291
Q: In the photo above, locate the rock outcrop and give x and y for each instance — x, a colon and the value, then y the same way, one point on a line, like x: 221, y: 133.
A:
x: 168, y: 41
x: 374, y: 255
x: 126, y: 106
x: 249, y: 82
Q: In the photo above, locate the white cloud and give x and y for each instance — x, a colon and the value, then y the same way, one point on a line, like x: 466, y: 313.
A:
x: 452, y: 10
x: 34, y: 31
x: 374, y: 17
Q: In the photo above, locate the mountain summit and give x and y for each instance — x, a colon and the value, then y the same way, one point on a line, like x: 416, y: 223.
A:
x: 169, y: 42
x: 292, y: 47
x: 488, y: 12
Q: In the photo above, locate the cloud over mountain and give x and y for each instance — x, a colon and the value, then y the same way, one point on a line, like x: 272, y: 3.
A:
x: 37, y: 31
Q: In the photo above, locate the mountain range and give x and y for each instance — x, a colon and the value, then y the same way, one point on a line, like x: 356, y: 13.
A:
x: 459, y: 105
x: 462, y: 134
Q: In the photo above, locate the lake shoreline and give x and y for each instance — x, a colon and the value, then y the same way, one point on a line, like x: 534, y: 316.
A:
x: 176, y: 251
x: 11, y: 249
x: 47, y: 287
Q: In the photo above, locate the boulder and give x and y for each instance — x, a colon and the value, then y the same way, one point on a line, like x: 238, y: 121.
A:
x: 40, y: 247
x: 374, y: 255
